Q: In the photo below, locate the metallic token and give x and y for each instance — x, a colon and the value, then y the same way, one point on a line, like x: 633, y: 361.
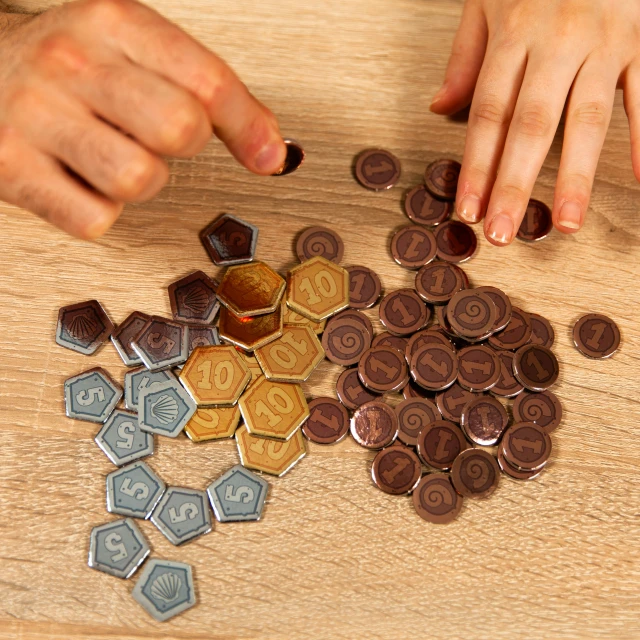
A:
x: 238, y: 495
x: 134, y: 490
x: 536, y: 223
x: 117, y: 548
x: 83, y: 327
x: 526, y: 446
x: 513, y: 472
x: 377, y: 169
x: 396, y: 470
x: 451, y: 402
x: 438, y: 281
x: 386, y: 339
x: 515, y: 334
x: 294, y: 158
x: 350, y: 390
x: 165, y: 589
x: 193, y: 298
x: 201, y: 336
x: 276, y: 457
x: 229, y: 240
x: 426, y: 336
x: 354, y: 314
x: 596, y: 336
x: 542, y: 408
x: 213, y: 423
x: 439, y: 444
x: 542, y: 332
x: 123, y: 335
x: 344, y: 341
x: 91, y: 395
x: 165, y: 409
x: 471, y: 314
x: 383, y: 369
x: 290, y: 316
x: 137, y: 379
x: 435, y: 500
x: 161, y: 344
x: 507, y: 385
x: 364, y: 287
x: 250, y: 333
x: 434, y: 367
x: 413, y: 247
x: 374, y: 425
x: 478, y: 368
x: 182, y: 514
x: 414, y: 414
x: 422, y: 208
x: 475, y: 473
x: 443, y: 322
x: 502, y: 304
x: 319, y: 241
x: 252, y: 363
x: 402, y: 312
x: 122, y: 440
x: 441, y: 178
x: 412, y: 390
x: 328, y: 421
x: 536, y: 367
x: 455, y: 241
x: 483, y: 420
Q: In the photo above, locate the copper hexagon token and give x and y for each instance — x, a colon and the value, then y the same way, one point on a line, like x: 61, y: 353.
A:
x: 526, y: 446
x: 413, y: 247
x: 293, y: 317
x: 364, y: 287
x: 374, y: 425
x: 434, y: 367
x: 513, y: 472
x: 386, y: 339
x: 345, y: 341
x: 438, y: 281
x: 396, y: 470
x: 161, y: 343
x: 319, y: 241
x: 483, y: 420
x: 507, y: 385
x: 536, y: 367
x: 441, y: 178
x: 542, y: 408
x: 478, y: 368
x: 435, y: 500
x: 451, y: 402
x: 268, y: 455
x: 351, y: 391
x: 126, y: 331
x: 502, y: 304
x: 596, y: 336
x: 542, y: 332
x: 455, y: 241
x: 413, y: 415
x: 475, y: 474
x: 250, y: 333
x: 471, y: 314
x: 439, y: 444
x: 537, y: 223
x: 229, y: 240
x: 422, y: 208
x: 328, y: 421
x: 383, y: 369
x: 515, y: 334
x: 83, y: 327
x: 377, y: 169
x: 214, y: 423
x: 402, y: 312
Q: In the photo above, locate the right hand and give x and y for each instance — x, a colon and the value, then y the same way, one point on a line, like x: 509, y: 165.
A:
x: 94, y: 93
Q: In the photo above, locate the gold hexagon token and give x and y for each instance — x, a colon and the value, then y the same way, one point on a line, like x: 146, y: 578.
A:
x: 214, y: 423
x: 271, y: 456
x: 215, y: 375
x: 254, y: 367
x: 293, y: 317
x: 251, y: 289
x: 250, y: 333
x: 273, y: 409
x: 318, y: 288
x: 293, y: 356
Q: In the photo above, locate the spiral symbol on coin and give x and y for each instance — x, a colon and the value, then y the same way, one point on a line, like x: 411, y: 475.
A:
x: 414, y: 418
x: 348, y: 343
x: 533, y: 410
x: 319, y: 246
x: 475, y: 313
x: 437, y: 496
x: 445, y: 176
x: 478, y: 472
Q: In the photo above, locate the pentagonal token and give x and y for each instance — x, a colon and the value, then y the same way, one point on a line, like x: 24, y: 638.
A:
x: 435, y: 500
x: 141, y: 378
x: 134, y: 490
x: 122, y: 440
x: 293, y: 356
x: 238, y: 495
x: 273, y: 409
x: 319, y: 241
x: 165, y: 589
x: 318, y: 289
x: 328, y: 421
x: 213, y: 423
x: 229, y: 240
x: 215, y: 375
x: 266, y: 454
x: 345, y: 341
x: 290, y: 316
x: 161, y: 344
x: 254, y: 366
x: 536, y: 367
x: 182, y: 514
x: 165, y: 409
x: 83, y: 327
x: 526, y: 446
x: 250, y: 333
x: 193, y: 298
x: 117, y: 548
x: 364, y: 287
x: 91, y: 395
x: 475, y: 473
x: 126, y: 331
x: 201, y: 336
x: 396, y: 470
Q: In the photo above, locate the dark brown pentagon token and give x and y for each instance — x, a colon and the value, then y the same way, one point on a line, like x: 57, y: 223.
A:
x: 350, y: 390
x: 199, y: 335
x: 364, y: 287
x: 414, y: 414
x: 426, y: 336
x: 402, y: 312
x: 374, y: 425
x: 328, y: 421
x: 455, y: 241
x: 396, y: 470
x: 438, y: 281
x: 344, y: 341
x: 383, y: 369
x: 434, y: 367
x: 471, y: 314
x: 386, y: 339
x: 475, y: 473
x: 421, y: 207
x: 356, y: 316
x: 542, y: 408
x: 435, y: 500
x: 441, y: 178
x: 229, y: 240
x: 542, y: 332
x: 478, y: 368
x: 440, y: 443
x: 293, y: 159
x: 515, y: 334
x: 483, y: 420
x: 513, y: 472
x: 193, y: 299
x: 507, y: 385
x: 83, y: 327
x: 413, y: 247
x: 377, y: 169
x: 596, y: 336
x: 537, y: 222
x: 502, y: 303
x: 452, y: 401
x: 526, y: 446
x: 126, y: 331
x: 161, y: 343
x: 319, y: 241
x: 536, y: 367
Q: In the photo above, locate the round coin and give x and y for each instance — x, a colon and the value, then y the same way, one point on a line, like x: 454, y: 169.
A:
x: 507, y: 385
x: 434, y: 367
x: 513, y: 472
x: 386, y: 339
x: 328, y: 421
x: 364, y: 287
x: 319, y: 241
x: 435, y: 500
x: 344, y: 341
x: 478, y: 368
x: 422, y: 208
x: 293, y: 159
x: 542, y: 332
x: 412, y: 390
x: 452, y: 401
x: 483, y: 420
x: 542, y: 408
x: 396, y: 470
x: 526, y: 446
x: 426, y: 336
x: 438, y: 281
x: 383, y: 369
x: 537, y: 222
x: 471, y: 314
x: 455, y: 241
x: 475, y: 473
x: 596, y: 336
x: 402, y: 312
x: 350, y: 391
x: 374, y: 425
x: 377, y: 169
x: 356, y: 316
x: 515, y: 334
x: 502, y: 304
x: 413, y: 247
x: 413, y: 415
x: 440, y: 443
x: 441, y: 178
x: 536, y: 367
x: 443, y: 322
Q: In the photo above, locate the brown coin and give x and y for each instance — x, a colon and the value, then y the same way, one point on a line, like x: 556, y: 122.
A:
x: 440, y: 443
x: 413, y: 247
x: 414, y: 414
x: 413, y: 390
x: 443, y: 322
x: 455, y: 241
x: 438, y: 281
x: 421, y: 207
x: 396, y: 470
x: 374, y: 425
x: 193, y: 298
x: 513, y: 472
x: 507, y: 385
x: 478, y: 368
x: 483, y: 420
x: 123, y: 335
x: 356, y: 316
x: 434, y: 367
x: 471, y: 314
x: 515, y: 334
x: 596, y: 336
x: 344, y: 341
x: 386, y: 339
x: 542, y: 332
x: 426, y: 336
x: 350, y: 390
x: 319, y: 241
x: 328, y: 421
x: 441, y: 178
x: 475, y: 473
x: 537, y: 222
x: 435, y: 500
x: 502, y: 304
x: 542, y: 408
x: 452, y: 401
x: 402, y: 312
x: 294, y: 158
x: 526, y: 446
x: 383, y: 369
x: 377, y: 169
x: 364, y: 287
x: 83, y: 327
x: 229, y: 240
x: 536, y: 367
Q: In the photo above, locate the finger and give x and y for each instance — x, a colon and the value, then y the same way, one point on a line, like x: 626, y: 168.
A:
x: 632, y: 107
x: 465, y: 61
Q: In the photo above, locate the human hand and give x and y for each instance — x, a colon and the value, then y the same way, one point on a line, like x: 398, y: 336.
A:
x: 519, y: 60
x: 95, y: 92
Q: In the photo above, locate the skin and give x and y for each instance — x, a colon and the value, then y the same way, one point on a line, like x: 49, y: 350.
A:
x: 96, y: 93
x: 521, y: 64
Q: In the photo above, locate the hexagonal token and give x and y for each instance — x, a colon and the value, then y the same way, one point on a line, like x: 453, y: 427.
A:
x: 182, y: 514
x: 293, y: 356
x: 165, y: 409
x: 83, y: 327
x: 134, y: 490
x: 138, y: 379
x: 193, y: 298
x: 215, y: 376
x: 250, y: 333
x: 126, y: 331
x: 201, y: 336
x: 293, y: 317
x: 266, y: 454
x: 117, y: 548
x: 214, y: 423
x: 238, y: 495
x: 91, y: 395
x: 161, y: 343
x: 122, y: 440
x: 229, y: 240
x: 253, y: 364
x: 318, y: 289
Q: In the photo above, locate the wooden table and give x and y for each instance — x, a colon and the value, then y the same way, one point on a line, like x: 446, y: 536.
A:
x: 334, y: 557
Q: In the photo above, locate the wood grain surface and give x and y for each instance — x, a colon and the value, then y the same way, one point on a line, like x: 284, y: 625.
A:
x: 333, y: 557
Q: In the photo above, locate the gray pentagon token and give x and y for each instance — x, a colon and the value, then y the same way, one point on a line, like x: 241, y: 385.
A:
x: 161, y: 343
x: 165, y: 408
x: 134, y: 490
x: 117, y: 548
x: 165, y: 588
x: 238, y: 495
x: 182, y: 514
x: 122, y: 440
x: 91, y: 395
x: 141, y: 378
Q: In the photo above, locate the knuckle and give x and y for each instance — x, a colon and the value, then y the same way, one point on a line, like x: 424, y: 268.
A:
x: 107, y: 12
x: 58, y: 50
x: 182, y: 129
x: 135, y: 179
x: 8, y: 164
x: 593, y: 113
x: 102, y: 215
x: 489, y: 110
x: 534, y: 120
x: 214, y: 90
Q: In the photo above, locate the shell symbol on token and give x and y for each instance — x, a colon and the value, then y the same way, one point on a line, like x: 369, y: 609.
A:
x: 83, y: 327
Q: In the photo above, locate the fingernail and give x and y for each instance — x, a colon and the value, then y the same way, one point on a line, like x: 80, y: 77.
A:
x: 270, y: 157
x: 501, y: 229
x: 440, y: 94
x: 469, y: 209
x: 570, y: 215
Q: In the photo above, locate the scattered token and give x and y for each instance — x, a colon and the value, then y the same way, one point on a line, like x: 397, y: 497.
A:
x: 126, y: 331
x: 507, y: 385
x: 402, y: 312
x: 251, y: 289
x: 294, y: 158
x: 290, y: 316
x: 526, y: 446
x: 542, y: 408
x: 502, y: 304
x: 542, y: 332
x: 475, y: 473
x: 182, y: 514
x: 438, y: 281
x: 441, y: 178
x: 345, y: 341
x: 422, y: 208
x: 251, y: 333
x: 483, y: 420
x: 358, y: 316
x: 328, y: 421
x: 238, y: 495
x: 513, y: 472
x: 440, y: 443
x: 275, y: 457
x: 213, y: 423
x: 451, y: 402
x: 396, y: 470
x: 83, y: 327
x: 364, y: 287
x: 413, y: 247
x: 383, y: 369
x: 516, y: 334
x: 478, y: 368
x: 122, y: 440
x: 319, y: 241
x: 455, y: 241
x: 413, y: 415
x: 386, y: 339
x: 137, y: 379
x: 91, y: 395
x: 350, y: 390
x: 537, y: 223
x: 435, y: 500
x: 199, y: 335
x: 374, y: 425
x: 471, y: 314
x: 229, y: 240
x: 193, y: 298
x: 165, y: 409
x: 535, y: 367
x: 434, y: 367
x: 134, y: 490
x: 426, y: 336
x: 377, y: 169
x: 596, y: 336
x: 161, y: 344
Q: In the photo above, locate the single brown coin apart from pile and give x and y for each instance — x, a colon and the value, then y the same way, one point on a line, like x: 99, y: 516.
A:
x: 516, y: 334
x: 483, y: 420
x: 413, y: 415
x: 542, y: 332
x: 439, y: 444
x: 435, y: 500
x: 542, y: 408
x: 426, y: 336
x: 471, y: 314
x: 294, y: 158
x: 413, y: 247
x: 475, y: 474
x: 536, y: 367
x: 377, y: 169
x: 478, y: 368
x: 441, y: 178
x: 374, y: 425
x: 434, y: 367
x: 344, y: 341
x: 396, y: 470
x: 438, y: 281
x: 537, y: 222
x: 402, y: 312
x: 596, y: 336
x: 328, y: 421
x: 502, y: 304
x: 364, y: 287
x: 357, y: 316
x: 351, y: 391
x: 526, y: 446
x: 319, y: 241
x: 455, y: 241
x: 507, y: 385
x: 513, y: 472
x: 383, y: 369
x: 386, y: 339
x: 421, y: 207
x: 452, y: 401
